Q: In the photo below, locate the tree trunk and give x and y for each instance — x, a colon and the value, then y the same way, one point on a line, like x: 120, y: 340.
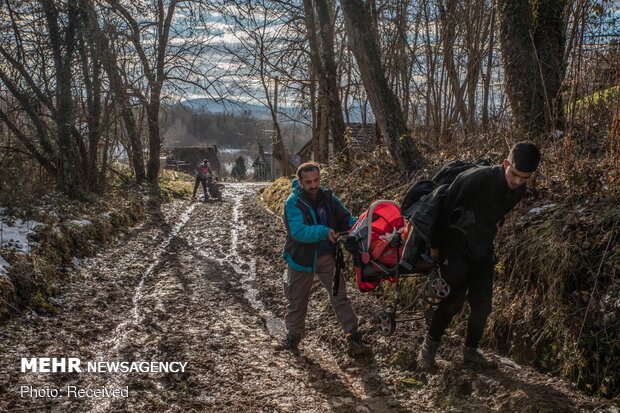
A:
x: 314, y: 108
x: 487, y: 78
x: 533, y: 40
x: 332, y: 88
x: 323, y: 62
x: 347, y: 90
x: 152, y: 168
x: 278, y: 150
x: 383, y: 101
x: 323, y: 132
x: 119, y: 90
x: 448, y: 28
x: 91, y: 71
x: 62, y: 53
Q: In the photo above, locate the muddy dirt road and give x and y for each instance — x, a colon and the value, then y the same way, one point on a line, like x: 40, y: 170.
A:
x: 201, y: 286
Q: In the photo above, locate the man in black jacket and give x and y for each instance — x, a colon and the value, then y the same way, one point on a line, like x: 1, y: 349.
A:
x: 473, y: 206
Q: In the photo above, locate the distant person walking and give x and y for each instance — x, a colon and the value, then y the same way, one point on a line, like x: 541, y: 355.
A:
x: 203, y: 173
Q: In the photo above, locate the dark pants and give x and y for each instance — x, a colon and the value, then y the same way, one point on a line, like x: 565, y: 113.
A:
x: 470, y: 280
x: 297, y: 289
x: 202, y: 180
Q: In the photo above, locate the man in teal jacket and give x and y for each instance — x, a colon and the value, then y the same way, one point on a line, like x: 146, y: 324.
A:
x: 313, y: 216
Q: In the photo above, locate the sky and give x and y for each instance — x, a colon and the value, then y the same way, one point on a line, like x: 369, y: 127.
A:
x: 218, y: 35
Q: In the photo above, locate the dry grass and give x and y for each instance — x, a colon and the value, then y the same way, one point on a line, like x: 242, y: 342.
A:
x: 274, y: 196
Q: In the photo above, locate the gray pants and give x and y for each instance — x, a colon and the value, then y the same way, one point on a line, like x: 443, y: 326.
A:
x: 297, y: 287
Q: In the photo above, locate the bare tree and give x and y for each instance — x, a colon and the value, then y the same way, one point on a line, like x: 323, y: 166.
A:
x: 153, y: 66
x: 105, y: 38
x: 533, y: 43
x: 320, y: 16
x: 67, y: 126
x: 150, y: 28
x: 383, y: 101
x: 268, y: 50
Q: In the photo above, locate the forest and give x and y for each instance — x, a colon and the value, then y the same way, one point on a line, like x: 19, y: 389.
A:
x: 92, y: 92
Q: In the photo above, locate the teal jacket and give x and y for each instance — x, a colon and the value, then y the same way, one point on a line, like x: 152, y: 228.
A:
x: 304, y: 230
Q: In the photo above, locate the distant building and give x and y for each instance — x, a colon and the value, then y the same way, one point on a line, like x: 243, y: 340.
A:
x: 362, y: 136
x: 358, y: 136
x: 187, y: 159
x: 305, y: 153
x: 266, y: 167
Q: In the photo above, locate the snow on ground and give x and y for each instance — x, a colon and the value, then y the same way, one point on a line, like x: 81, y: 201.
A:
x: 536, y: 211
x: 80, y: 223
x: 3, y: 266
x: 14, y: 236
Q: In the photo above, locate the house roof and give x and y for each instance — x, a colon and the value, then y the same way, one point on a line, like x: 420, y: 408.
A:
x: 195, y: 154
x: 307, y: 146
x: 361, y: 136
x: 264, y: 158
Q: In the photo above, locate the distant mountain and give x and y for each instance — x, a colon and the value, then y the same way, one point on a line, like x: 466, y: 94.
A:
x: 229, y: 106
x: 258, y: 111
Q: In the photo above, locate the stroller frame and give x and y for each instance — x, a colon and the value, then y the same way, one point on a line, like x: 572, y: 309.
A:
x: 387, y: 320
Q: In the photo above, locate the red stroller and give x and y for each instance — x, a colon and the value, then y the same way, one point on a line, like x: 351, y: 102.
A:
x: 376, y: 242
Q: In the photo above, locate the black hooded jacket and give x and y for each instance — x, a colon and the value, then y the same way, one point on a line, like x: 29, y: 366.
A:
x: 473, y: 206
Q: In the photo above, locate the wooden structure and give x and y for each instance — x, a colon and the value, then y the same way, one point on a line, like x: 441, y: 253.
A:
x: 359, y: 137
x: 187, y: 159
x: 266, y: 167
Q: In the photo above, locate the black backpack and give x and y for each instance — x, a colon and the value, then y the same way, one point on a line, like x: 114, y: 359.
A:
x: 422, y: 205
x: 446, y: 175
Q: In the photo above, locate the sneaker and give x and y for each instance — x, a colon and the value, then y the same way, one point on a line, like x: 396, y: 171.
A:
x: 356, y: 345
x: 473, y: 357
x: 426, y: 356
x: 290, y: 343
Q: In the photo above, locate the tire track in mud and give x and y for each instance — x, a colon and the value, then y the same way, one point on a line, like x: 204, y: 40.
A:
x: 207, y: 279
x: 121, y: 334
x: 180, y: 289
x: 95, y: 300
x: 184, y: 288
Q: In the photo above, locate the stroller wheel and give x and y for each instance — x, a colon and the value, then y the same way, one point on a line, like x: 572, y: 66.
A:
x: 437, y: 289
x: 386, y: 324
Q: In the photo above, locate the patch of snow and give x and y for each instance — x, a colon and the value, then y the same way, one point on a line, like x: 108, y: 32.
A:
x: 15, y: 236
x: 80, y: 223
x: 541, y: 209
x: 509, y: 363
x: 231, y: 150
x: 3, y: 266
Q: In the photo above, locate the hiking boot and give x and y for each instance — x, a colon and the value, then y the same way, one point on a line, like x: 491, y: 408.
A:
x: 473, y: 357
x: 290, y: 343
x: 356, y: 346
x: 426, y: 356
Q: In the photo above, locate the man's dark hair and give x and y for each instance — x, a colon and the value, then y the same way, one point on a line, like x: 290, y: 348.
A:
x: 525, y: 156
x: 307, y: 167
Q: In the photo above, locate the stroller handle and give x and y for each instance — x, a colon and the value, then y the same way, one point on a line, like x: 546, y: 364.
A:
x: 342, y: 237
